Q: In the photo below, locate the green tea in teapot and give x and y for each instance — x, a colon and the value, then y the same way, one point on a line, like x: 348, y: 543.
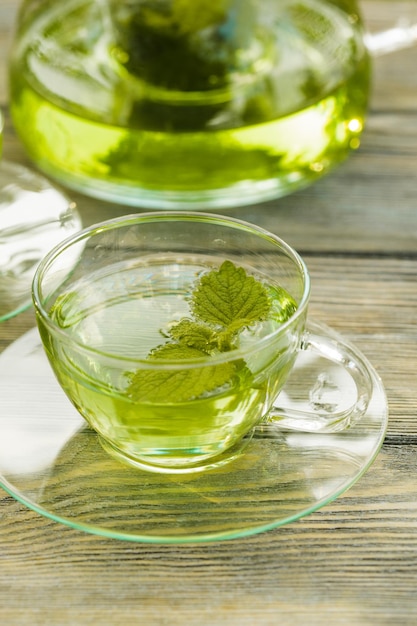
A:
x: 189, y: 103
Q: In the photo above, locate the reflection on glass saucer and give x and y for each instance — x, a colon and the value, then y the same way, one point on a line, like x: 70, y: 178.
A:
x: 52, y: 462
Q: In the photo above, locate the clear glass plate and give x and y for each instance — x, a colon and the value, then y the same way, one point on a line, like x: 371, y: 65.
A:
x: 53, y: 463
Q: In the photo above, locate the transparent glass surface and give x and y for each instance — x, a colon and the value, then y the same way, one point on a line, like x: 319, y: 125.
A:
x: 34, y: 216
x: 174, y: 104
x: 53, y: 463
x: 207, y: 103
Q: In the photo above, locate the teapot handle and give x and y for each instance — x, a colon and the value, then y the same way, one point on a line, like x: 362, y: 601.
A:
x: 397, y: 36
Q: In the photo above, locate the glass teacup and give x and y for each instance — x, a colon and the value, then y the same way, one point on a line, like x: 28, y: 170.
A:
x: 175, y: 333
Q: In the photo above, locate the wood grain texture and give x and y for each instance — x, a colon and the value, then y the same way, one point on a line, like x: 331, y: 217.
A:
x: 354, y: 562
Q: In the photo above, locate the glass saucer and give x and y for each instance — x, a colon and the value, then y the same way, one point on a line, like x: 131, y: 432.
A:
x: 53, y: 463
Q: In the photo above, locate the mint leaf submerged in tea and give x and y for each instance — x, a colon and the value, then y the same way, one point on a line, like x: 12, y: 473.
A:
x: 179, y: 45
x: 178, y: 385
x: 223, y: 303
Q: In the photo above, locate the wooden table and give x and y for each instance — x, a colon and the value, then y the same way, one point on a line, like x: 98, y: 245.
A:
x: 354, y: 562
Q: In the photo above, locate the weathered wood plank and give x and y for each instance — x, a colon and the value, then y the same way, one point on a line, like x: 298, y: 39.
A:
x: 353, y: 562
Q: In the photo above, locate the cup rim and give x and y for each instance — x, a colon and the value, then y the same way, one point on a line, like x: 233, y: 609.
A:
x: 170, y: 215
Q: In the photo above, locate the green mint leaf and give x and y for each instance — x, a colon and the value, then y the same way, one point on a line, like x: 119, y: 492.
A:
x: 191, y: 17
x: 228, y: 296
x: 194, y: 335
x: 180, y: 385
x: 224, y: 301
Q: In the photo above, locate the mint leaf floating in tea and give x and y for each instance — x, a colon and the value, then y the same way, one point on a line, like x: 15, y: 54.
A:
x: 228, y: 297
x: 223, y: 303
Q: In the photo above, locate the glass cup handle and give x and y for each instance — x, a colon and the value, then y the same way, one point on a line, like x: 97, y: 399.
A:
x: 322, y: 416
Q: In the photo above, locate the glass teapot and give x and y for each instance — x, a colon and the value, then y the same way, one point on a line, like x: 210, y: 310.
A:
x: 189, y: 103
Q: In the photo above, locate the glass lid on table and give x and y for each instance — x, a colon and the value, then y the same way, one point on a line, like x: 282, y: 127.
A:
x: 34, y: 217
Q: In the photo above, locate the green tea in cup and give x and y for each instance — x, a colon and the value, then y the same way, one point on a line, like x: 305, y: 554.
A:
x: 175, y: 333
